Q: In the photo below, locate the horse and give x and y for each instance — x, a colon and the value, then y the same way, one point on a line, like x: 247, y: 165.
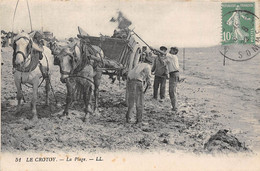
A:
x: 28, y: 69
x: 77, y: 71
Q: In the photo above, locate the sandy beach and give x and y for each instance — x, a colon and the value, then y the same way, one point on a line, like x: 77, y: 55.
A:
x: 212, y: 97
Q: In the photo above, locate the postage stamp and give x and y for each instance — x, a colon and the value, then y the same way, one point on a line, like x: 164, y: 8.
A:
x: 238, y: 23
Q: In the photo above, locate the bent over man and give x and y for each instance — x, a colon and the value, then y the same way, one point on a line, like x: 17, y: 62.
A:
x: 136, y: 77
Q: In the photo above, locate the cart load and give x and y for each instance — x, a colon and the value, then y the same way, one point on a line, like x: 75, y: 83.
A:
x: 120, y: 54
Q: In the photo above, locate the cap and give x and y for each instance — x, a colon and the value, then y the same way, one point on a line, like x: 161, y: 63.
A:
x: 174, y: 48
x: 163, y: 48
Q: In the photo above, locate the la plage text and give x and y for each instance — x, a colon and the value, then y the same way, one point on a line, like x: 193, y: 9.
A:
x: 54, y: 159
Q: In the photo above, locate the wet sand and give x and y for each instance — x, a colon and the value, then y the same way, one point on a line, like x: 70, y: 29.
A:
x: 211, y: 98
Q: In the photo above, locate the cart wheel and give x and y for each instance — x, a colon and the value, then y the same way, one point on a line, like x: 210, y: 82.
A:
x: 136, y: 57
x: 133, y: 58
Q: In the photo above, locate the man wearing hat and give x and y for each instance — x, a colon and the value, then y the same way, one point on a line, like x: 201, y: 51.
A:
x: 173, y: 69
x: 160, y: 72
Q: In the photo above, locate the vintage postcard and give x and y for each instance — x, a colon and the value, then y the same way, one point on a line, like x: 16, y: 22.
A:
x: 130, y: 85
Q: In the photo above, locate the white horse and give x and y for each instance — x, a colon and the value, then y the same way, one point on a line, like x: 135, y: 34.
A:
x: 27, y: 68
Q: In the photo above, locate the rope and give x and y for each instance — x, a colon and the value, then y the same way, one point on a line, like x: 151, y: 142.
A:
x: 42, y: 76
x: 47, y: 62
x: 29, y: 14
x: 82, y: 77
x: 53, y: 93
x: 27, y: 85
x: 14, y: 16
x: 49, y: 77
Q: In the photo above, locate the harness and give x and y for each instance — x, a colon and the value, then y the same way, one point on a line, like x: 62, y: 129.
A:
x: 76, y: 69
x: 86, y: 49
x: 34, y: 60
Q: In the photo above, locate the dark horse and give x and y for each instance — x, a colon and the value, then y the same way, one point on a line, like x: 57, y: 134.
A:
x: 79, y: 67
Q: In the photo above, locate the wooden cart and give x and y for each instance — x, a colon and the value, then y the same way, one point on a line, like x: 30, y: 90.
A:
x: 125, y: 52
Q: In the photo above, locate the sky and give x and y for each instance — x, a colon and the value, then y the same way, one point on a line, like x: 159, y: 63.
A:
x: 168, y: 23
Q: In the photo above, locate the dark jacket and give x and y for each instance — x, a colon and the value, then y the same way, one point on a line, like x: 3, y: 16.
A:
x: 159, y: 67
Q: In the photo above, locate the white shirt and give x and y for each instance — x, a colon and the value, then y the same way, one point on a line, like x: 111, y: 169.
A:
x: 141, y: 71
x: 172, y: 62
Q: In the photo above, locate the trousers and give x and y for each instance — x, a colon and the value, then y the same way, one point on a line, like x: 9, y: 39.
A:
x: 159, y: 82
x: 135, y: 96
x: 173, y: 80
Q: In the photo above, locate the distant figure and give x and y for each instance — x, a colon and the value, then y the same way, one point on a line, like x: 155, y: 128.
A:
x: 173, y: 69
x: 136, y: 77
x: 235, y: 21
x: 121, y: 33
x: 146, y: 56
x: 160, y: 72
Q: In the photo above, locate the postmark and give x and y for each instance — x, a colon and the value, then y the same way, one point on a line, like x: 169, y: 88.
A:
x: 239, y: 36
x: 239, y: 53
x: 238, y: 23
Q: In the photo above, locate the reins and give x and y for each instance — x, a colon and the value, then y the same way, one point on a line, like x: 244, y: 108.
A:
x: 76, y: 69
x: 73, y: 76
x: 30, y: 50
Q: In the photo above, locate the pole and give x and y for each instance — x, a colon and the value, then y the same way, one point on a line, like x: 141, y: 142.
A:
x: 141, y: 38
x: 13, y: 22
x: 183, y: 59
x: 224, y: 60
x: 14, y: 15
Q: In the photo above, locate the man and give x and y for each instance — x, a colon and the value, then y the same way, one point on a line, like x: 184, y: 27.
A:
x: 136, y: 77
x: 37, y: 45
x: 173, y: 69
x: 160, y: 72
x: 146, y: 55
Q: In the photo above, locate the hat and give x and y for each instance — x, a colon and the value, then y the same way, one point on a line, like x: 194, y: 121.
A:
x: 157, y: 52
x: 38, y: 35
x: 175, y: 49
x: 163, y: 48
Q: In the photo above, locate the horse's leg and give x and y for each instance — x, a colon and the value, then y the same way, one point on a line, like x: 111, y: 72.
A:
x: 69, y: 97
x: 97, y: 80
x: 79, y: 92
x: 19, y: 95
x: 34, y: 99
x: 76, y: 96
x: 87, y: 98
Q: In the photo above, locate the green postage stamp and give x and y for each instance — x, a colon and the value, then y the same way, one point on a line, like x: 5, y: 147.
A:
x: 238, y: 23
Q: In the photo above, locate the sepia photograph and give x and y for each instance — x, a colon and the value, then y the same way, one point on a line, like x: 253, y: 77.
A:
x: 130, y: 85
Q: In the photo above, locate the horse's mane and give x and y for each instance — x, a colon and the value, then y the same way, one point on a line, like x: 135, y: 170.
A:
x: 64, y: 51
x: 22, y: 34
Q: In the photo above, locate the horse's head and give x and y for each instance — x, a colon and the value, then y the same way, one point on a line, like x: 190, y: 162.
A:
x: 67, y: 60
x: 54, y: 47
x: 22, y: 47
